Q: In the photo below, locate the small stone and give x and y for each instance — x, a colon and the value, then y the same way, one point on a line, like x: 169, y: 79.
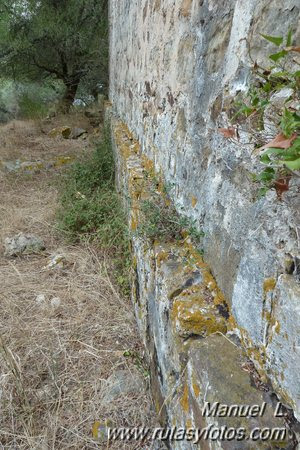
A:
x: 23, y: 244
x: 11, y: 166
x: 40, y: 299
x: 56, y: 262
x: 55, y: 302
x: 61, y: 131
x: 77, y: 132
x: 31, y: 166
x: 122, y: 382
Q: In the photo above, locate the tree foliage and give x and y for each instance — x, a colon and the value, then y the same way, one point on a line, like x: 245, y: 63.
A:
x: 62, y: 39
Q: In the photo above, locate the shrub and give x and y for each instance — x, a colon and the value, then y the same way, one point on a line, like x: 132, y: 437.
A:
x: 30, y: 108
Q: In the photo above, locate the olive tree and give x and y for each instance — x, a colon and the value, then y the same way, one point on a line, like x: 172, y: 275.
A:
x: 62, y: 39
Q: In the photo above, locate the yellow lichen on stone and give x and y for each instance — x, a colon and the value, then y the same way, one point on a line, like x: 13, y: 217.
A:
x: 184, y: 401
x: 196, y: 316
x: 125, y: 141
x: 189, y: 424
x: 32, y: 166
x: 133, y: 223
x: 185, y: 9
x: 61, y: 131
x: 63, y: 160
x: 135, y: 147
x: 161, y: 256
x: 231, y: 323
x: 269, y: 285
x: 196, y: 388
x: 148, y: 165
x: 255, y: 354
x: 194, y: 201
x: 157, y: 406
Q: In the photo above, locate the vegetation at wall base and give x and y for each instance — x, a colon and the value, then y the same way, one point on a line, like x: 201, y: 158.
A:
x: 90, y: 209
x: 160, y: 220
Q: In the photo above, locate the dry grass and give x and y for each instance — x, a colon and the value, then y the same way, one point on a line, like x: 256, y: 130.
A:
x: 55, y: 358
x: 29, y: 140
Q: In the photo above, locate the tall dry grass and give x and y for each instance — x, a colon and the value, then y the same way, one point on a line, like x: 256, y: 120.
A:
x: 63, y: 332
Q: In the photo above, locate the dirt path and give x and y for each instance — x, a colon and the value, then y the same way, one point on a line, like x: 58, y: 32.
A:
x: 64, y: 330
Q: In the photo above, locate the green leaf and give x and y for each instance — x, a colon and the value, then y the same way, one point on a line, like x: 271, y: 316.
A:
x: 279, y: 86
x: 281, y: 74
x: 289, y: 123
x: 277, y: 56
x: 293, y: 152
x: 289, y: 38
x: 262, y: 192
x: 296, y: 117
x: 267, y: 175
x: 255, y: 101
x: 273, y: 151
x: 265, y: 159
x: 246, y: 110
x: 267, y: 87
x: 293, y: 165
x: 274, y: 39
x: 296, y: 145
x: 254, y: 177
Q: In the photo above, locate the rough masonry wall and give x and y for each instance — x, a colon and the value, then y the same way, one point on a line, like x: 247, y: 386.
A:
x: 175, y: 65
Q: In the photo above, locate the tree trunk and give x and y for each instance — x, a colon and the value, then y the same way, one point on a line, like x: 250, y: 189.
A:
x: 70, y: 94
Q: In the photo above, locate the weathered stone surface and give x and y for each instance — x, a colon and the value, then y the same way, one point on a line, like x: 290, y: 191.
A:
x: 77, y: 133
x: 216, y: 375
x: 33, y: 167
x: 183, y: 318
x: 23, y: 244
x: 57, y: 261
x: 11, y: 166
x: 179, y: 65
x: 40, y: 299
x: 196, y: 314
x: 285, y: 306
x: 64, y: 132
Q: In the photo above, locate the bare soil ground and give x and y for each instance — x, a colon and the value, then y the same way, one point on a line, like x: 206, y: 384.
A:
x: 63, y: 331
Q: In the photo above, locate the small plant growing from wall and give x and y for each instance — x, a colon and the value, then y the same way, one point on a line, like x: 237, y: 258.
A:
x: 160, y: 220
x: 270, y: 113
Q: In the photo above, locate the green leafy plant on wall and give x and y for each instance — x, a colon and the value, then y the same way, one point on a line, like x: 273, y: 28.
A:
x: 160, y: 220
x: 257, y: 109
